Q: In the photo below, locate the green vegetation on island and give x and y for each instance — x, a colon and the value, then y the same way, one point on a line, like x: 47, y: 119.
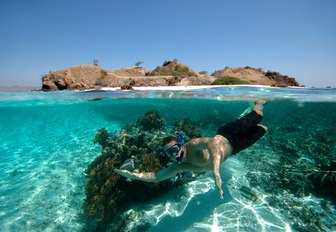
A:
x: 229, y: 81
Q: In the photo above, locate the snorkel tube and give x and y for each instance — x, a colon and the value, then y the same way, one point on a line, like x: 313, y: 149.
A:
x: 180, y: 141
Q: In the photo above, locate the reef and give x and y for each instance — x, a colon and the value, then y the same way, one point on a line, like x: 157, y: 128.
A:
x: 135, y: 148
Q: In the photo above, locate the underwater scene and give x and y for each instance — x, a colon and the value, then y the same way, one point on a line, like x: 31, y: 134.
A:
x: 58, y: 152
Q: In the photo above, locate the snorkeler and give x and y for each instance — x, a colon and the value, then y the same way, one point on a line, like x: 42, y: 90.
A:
x: 206, y: 154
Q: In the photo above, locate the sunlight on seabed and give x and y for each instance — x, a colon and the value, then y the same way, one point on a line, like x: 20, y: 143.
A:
x: 236, y: 214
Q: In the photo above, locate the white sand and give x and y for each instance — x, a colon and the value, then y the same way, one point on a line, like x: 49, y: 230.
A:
x: 191, y: 87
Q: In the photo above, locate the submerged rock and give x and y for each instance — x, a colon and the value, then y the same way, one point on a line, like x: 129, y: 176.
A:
x: 248, y: 193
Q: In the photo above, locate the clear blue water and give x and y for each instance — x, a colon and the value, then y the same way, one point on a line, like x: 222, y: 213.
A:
x: 46, y: 144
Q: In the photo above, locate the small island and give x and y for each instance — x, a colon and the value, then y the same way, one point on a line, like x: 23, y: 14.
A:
x: 171, y: 73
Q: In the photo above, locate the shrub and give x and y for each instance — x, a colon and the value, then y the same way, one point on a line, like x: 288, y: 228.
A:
x: 172, y: 68
x: 229, y: 81
x: 177, y: 71
x: 103, y: 74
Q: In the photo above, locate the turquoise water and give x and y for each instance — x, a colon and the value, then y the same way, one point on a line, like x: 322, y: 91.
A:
x: 46, y: 144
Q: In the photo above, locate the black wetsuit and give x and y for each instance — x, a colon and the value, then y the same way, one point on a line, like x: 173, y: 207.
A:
x: 243, y: 132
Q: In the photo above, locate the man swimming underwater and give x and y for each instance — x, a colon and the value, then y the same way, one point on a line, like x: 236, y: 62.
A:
x: 206, y: 154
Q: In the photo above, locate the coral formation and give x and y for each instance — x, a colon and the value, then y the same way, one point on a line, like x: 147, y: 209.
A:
x: 152, y: 121
x: 101, y: 137
x: 188, y: 127
x: 135, y: 148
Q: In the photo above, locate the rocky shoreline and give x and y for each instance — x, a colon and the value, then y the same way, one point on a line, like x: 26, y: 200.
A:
x: 171, y: 73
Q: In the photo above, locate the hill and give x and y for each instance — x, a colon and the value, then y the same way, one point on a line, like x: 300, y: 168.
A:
x: 257, y: 76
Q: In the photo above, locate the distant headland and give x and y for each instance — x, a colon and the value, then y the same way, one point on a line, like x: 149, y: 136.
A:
x: 171, y: 73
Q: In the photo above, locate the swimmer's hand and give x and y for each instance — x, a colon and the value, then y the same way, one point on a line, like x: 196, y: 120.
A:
x: 144, y: 176
x: 125, y: 173
x: 221, y: 193
x: 219, y: 184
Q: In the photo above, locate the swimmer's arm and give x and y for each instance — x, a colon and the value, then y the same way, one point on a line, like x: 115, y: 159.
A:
x: 161, y: 175
x: 216, y: 166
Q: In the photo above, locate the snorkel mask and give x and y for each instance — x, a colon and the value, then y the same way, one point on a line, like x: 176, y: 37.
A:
x: 179, y: 137
x: 176, y: 151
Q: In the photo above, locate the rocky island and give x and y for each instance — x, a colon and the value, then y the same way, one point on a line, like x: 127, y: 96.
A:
x: 171, y: 73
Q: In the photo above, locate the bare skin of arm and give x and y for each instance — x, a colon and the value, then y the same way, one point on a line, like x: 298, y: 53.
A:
x: 216, y: 157
x: 161, y: 175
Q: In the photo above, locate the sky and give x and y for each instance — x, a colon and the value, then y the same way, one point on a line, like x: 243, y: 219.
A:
x: 294, y: 37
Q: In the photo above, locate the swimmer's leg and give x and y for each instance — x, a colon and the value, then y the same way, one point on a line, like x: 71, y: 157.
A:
x: 250, y: 137
x: 254, y: 134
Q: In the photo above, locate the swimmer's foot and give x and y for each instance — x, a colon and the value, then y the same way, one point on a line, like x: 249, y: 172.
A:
x: 248, y: 110
x: 260, y: 102
x: 259, y: 106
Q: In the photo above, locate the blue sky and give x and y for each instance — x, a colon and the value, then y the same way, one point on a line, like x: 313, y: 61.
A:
x: 293, y: 37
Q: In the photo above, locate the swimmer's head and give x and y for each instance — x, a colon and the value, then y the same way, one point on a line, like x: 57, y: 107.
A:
x: 170, y: 148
